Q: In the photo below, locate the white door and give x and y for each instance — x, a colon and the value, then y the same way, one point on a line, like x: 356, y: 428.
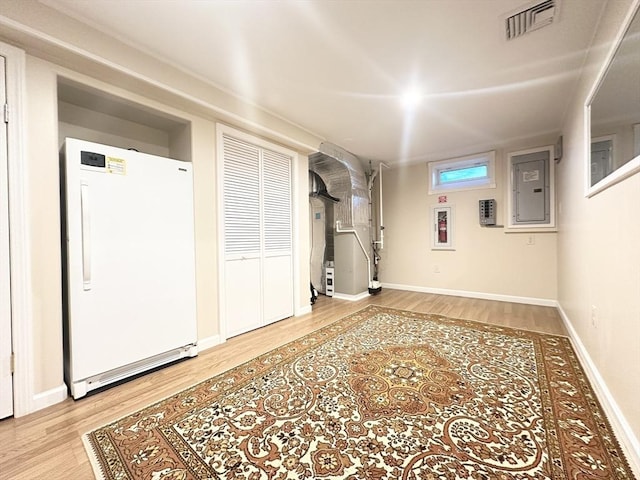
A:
x: 242, y: 244
x: 278, y: 252
x: 6, y: 381
x: 258, y: 254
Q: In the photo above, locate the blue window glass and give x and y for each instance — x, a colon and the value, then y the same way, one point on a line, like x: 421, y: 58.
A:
x: 463, y: 174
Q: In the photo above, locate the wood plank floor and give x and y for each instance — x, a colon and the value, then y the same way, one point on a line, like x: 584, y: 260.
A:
x: 47, y: 444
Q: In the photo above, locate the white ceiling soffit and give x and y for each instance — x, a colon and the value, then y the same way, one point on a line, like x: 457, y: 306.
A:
x: 530, y: 18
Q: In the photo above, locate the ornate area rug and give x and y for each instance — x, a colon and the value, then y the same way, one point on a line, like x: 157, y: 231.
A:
x: 380, y: 394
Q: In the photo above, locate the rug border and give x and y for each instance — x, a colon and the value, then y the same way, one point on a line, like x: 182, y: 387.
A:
x: 480, y: 322
x: 100, y: 474
x: 605, y: 415
x: 96, y: 466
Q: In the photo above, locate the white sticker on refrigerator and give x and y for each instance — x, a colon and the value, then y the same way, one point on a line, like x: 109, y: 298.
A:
x: 117, y: 166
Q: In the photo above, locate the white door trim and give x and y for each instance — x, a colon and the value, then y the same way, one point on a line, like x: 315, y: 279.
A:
x: 6, y: 347
x: 20, y: 241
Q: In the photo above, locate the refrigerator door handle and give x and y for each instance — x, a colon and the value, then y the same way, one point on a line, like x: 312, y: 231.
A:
x: 86, y: 235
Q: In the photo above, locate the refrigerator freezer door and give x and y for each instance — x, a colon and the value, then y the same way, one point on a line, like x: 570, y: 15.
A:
x: 131, y: 269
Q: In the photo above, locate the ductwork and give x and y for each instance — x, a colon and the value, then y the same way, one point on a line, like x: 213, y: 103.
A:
x: 317, y: 188
x: 345, y: 180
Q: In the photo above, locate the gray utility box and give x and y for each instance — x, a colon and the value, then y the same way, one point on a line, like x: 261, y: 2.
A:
x: 487, y: 210
x: 530, y: 188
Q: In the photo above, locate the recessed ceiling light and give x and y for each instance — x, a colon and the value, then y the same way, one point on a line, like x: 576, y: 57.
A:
x: 411, y: 98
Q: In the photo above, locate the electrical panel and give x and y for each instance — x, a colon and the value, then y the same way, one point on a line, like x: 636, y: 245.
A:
x: 487, y: 210
x: 530, y: 188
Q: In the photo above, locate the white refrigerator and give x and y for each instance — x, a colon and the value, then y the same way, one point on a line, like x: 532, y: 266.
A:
x: 129, y: 291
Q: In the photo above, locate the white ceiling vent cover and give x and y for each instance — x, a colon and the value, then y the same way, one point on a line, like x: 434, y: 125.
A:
x: 531, y: 18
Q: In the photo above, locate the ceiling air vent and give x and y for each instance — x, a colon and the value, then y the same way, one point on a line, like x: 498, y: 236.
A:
x: 531, y: 18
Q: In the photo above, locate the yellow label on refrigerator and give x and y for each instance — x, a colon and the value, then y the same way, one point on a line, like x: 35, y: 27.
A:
x: 117, y: 166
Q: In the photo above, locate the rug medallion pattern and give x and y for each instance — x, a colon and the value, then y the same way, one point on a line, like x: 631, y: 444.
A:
x: 380, y: 394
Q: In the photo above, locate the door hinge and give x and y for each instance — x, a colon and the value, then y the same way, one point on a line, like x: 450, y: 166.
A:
x: 12, y: 363
x: 6, y: 113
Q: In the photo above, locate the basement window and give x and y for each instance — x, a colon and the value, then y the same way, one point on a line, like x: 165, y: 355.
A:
x: 463, y: 173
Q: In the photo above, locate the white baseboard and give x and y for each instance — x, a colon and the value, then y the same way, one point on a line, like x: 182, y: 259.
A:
x: 543, y: 302
x: 49, y: 397
x: 619, y: 424
x: 351, y: 298
x: 208, y: 342
x: 302, y: 310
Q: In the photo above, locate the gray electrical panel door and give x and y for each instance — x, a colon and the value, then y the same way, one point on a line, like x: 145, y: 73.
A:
x: 530, y: 188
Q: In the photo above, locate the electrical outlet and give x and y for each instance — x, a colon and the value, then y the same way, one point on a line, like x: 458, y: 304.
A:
x: 436, y: 269
x: 531, y: 239
x: 594, y: 316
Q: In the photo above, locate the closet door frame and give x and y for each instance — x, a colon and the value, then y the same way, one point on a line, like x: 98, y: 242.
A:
x: 221, y: 131
x: 25, y: 399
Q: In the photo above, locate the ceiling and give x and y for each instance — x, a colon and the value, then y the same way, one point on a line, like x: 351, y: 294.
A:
x: 339, y: 68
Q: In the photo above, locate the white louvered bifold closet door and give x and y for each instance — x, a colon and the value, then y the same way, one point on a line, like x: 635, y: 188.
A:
x: 278, y: 268
x: 242, y: 250
x: 258, y: 284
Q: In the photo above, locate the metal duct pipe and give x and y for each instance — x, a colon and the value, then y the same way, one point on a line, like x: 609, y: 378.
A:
x: 344, y: 177
x: 317, y: 188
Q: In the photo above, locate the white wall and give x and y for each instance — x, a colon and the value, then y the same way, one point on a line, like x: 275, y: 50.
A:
x: 598, y: 247
x: 57, y: 45
x: 485, y: 260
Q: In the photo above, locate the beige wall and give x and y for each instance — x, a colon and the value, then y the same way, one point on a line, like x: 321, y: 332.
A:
x: 485, y: 260
x: 79, y: 122
x: 122, y: 72
x: 43, y: 197
x: 598, y: 247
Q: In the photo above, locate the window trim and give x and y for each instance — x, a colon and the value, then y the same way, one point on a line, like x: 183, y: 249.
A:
x: 485, y: 158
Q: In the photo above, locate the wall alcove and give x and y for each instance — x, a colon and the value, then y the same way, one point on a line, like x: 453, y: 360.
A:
x: 90, y: 114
